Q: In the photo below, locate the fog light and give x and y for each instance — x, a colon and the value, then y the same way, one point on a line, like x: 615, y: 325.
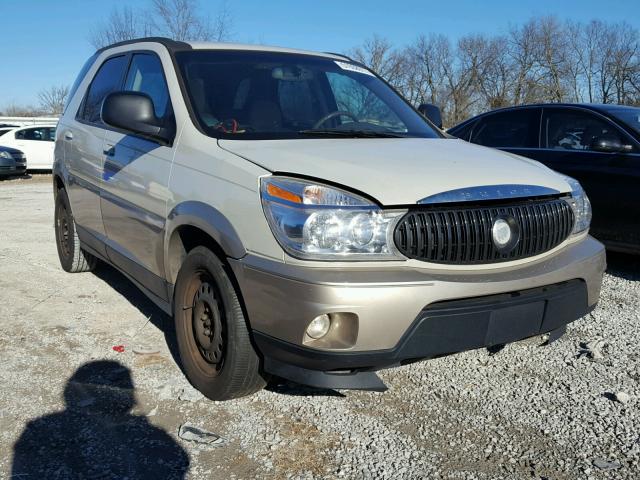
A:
x: 319, y: 326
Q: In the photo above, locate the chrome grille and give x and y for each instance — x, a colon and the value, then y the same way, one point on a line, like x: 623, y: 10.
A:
x: 462, y: 234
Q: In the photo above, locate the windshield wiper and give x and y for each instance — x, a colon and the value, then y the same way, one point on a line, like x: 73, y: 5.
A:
x: 350, y: 133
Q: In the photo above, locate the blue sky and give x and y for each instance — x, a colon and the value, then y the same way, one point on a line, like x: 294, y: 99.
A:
x: 45, y: 42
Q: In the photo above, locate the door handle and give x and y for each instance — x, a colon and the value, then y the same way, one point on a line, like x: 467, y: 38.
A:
x: 110, y: 151
x: 68, y: 136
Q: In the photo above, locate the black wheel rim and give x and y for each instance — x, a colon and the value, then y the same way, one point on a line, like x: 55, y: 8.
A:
x: 63, y: 224
x: 207, y: 322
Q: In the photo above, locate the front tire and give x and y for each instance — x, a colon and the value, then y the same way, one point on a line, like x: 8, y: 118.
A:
x: 72, y: 257
x: 211, y: 330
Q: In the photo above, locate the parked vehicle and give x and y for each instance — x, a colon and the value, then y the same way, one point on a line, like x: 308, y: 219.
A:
x: 599, y: 145
x: 37, y: 142
x: 12, y: 162
x: 5, y: 128
x: 298, y: 218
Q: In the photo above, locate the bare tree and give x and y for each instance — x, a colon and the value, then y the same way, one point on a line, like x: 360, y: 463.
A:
x: 176, y: 19
x: 497, y: 75
x: 552, y: 58
x: 122, y: 24
x: 14, y: 110
x: 181, y: 20
x: 378, y: 54
x: 53, y: 99
x: 424, y: 76
x: 524, y: 52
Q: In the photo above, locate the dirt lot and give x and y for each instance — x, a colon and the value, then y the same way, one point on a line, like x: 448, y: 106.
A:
x: 72, y: 407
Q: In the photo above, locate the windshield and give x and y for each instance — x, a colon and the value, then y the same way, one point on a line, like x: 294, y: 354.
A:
x: 267, y: 95
x: 630, y: 116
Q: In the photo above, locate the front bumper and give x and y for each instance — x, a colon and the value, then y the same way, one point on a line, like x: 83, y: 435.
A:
x: 406, y: 313
x: 12, y: 167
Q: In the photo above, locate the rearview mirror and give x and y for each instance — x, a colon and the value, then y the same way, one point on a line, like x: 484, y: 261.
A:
x: 134, y: 112
x: 432, y: 112
x: 609, y: 144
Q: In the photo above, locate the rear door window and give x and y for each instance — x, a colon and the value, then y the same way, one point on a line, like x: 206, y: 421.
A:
x: 107, y: 80
x: 510, y: 129
x: 44, y: 134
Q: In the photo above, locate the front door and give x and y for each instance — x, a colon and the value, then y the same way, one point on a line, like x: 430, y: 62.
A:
x: 135, y: 184
x: 611, y: 180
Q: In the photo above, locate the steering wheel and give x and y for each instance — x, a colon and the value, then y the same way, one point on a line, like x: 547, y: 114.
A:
x: 337, y: 113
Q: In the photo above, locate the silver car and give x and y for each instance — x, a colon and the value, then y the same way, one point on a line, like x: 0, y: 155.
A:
x: 298, y: 218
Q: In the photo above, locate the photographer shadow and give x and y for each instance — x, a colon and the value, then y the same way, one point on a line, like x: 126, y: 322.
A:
x: 97, y: 436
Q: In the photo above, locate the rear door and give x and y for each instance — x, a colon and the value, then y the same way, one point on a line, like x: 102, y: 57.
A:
x: 83, y: 138
x: 516, y: 131
x: 136, y: 177
x: 611, y: 180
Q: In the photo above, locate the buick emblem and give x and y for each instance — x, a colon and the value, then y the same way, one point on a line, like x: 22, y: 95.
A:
x: 505, y: 233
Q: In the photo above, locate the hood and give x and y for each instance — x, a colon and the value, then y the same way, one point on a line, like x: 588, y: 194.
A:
x: 9, y: 149
x: 396, y: 171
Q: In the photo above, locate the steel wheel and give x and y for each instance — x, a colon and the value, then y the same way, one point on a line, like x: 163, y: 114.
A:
x: 213, y: 339
x: 206, y: 320
x: 72, y: 256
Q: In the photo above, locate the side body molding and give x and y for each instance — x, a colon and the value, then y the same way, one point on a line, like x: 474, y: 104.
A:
x: 209, y: 220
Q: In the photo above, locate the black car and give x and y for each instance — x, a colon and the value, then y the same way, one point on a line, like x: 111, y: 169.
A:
x: 12, y: 162
x: 599, y: 145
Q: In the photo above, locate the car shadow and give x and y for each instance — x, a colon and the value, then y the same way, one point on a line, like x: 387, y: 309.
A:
x: 125, y: 287
x: 17, y: 176
x: 623, y: 265
x: 96, y: 435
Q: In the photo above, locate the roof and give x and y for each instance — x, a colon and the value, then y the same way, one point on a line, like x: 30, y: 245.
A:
x: 259, y: 48
x: 598, y: 107
x: 9, y: 149
x: 173, y: 46
x: 591, y: 106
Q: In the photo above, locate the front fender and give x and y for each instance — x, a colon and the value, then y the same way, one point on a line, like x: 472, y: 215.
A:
x: 209, y: 220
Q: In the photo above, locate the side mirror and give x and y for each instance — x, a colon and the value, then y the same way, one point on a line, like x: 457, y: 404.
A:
x: 134, y: 113
x: 609, y: 144
x: 432, y: 112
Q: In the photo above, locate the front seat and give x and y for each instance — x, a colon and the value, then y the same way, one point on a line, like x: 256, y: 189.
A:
x: 201, y: 99
x: 265, y: 116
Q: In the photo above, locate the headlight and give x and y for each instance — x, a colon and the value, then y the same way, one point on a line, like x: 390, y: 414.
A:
x: 580, y: 204
x: 5, y: 154
x: 319, y: 222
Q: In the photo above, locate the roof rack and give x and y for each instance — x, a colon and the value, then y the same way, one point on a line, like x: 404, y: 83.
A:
x: 340, y: 55
x: 171, y: 45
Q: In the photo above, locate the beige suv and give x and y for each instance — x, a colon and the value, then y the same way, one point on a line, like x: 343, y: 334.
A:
x: 299, y: 218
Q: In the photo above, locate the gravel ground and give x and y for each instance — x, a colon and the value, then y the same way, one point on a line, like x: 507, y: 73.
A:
x: 68, y: 404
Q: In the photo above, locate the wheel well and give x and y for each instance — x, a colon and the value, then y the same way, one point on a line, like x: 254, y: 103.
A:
x: 184, y: 239
x: 58, y: 184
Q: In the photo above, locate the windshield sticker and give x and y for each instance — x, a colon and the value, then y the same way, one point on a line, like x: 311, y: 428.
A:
x: 353, y: 68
